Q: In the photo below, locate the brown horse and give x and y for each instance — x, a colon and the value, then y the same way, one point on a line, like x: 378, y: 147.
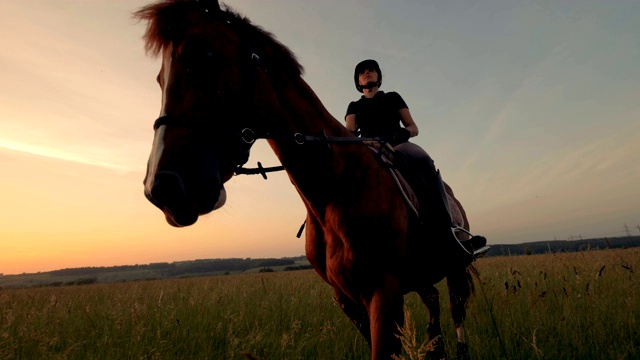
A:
x: 226, y: 82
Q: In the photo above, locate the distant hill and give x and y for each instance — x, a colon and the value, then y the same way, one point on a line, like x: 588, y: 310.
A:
x: 183, y: 268
x: 211, y: 267
x: 154, y: 271
x: 555, y: 246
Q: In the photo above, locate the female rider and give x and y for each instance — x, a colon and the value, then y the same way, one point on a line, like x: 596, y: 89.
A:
x: 380, y: 114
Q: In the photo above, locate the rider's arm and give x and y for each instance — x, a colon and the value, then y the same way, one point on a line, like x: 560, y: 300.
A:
x: 351, y: 122
x: 407, y: 121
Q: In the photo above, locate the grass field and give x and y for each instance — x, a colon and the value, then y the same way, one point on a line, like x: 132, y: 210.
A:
x: 582, y: 305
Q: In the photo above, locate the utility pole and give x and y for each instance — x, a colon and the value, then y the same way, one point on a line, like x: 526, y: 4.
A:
x: 626, y: 230
x: 638, y: 226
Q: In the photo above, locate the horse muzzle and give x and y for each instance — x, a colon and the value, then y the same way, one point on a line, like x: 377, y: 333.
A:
x: 167, y: 191
x: 187, y: 169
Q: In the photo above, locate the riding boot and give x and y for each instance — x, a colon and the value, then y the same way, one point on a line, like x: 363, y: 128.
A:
x: 436, y: 217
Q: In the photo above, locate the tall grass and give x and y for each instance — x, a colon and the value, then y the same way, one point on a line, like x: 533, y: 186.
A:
x: 278, y: 315
x: 582, y: 305
x: 566, y: 306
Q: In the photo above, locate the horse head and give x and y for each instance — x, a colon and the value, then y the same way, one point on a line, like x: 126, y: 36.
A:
x: 213, y: 87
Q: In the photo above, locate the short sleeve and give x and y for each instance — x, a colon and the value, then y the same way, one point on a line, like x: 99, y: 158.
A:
x: 396, y: 101
x: 352, y: 109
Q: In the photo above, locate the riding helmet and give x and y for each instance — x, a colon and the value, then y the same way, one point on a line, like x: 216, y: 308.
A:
x: 367, y: 64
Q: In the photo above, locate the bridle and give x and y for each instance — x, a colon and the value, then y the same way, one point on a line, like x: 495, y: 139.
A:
x: 247, y: 135
x: 240, y: 155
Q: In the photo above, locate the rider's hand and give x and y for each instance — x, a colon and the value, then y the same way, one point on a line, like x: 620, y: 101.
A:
x: 401, y: 135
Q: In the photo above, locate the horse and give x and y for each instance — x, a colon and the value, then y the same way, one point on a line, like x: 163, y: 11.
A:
x: 225, y: 83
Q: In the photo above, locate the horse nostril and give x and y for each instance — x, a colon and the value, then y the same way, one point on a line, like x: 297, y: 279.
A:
x: 168, y: 189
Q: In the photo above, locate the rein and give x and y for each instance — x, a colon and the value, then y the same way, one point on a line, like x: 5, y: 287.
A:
x: 249, y: 137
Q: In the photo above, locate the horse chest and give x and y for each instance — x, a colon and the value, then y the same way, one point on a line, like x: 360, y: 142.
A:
x: 356, y: 273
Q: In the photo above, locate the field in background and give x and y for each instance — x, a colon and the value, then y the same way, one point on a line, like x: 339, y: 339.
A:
x: 581, y: 305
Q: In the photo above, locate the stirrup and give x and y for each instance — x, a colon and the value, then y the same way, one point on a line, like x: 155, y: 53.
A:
x: 481, y: 243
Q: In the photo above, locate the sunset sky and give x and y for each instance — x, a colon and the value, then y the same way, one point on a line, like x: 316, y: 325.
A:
x: 531, y: 109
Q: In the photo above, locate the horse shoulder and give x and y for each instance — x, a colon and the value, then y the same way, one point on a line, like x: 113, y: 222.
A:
x: 315, y: 247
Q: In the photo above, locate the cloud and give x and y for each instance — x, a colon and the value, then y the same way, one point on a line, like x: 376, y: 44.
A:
x: 59, y: 154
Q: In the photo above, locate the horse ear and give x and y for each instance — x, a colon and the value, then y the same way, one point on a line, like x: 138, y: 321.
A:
x: 211, y: 5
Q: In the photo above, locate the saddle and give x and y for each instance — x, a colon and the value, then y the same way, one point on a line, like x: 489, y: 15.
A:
x: 403, y: 174
x: 408, y: 175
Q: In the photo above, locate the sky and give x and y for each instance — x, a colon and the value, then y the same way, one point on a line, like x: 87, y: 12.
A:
x: 531, y: 110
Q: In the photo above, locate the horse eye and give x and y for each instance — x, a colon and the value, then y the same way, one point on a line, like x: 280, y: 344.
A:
x: 197, y: 53
x: 209, y: 54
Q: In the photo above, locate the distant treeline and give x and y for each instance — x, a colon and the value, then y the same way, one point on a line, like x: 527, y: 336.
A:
x: 555, y: 246
x: 177, y: 269
x: 165, y: 270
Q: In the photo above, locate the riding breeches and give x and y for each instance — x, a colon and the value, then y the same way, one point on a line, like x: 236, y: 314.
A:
x: 416, y: 153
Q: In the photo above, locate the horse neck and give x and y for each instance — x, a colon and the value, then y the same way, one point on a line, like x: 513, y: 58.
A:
x: 318, y: 171
x: 302, y: 110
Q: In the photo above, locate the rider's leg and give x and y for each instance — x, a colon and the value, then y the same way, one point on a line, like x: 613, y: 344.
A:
x: 436, y: 215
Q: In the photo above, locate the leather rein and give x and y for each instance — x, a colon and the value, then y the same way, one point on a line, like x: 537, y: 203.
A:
x: 249, y: 137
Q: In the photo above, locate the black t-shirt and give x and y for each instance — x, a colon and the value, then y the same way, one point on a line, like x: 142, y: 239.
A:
x: 378, y: 116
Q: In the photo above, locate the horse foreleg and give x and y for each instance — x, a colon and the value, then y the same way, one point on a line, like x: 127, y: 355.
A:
x: 431, y: 299
x: 357, y: 313
x: 386, y: 312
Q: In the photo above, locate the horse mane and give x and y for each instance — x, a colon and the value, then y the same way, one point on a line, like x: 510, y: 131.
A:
x: 167, y: 21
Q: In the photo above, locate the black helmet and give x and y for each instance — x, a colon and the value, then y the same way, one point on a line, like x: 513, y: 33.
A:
x: 367, y: 64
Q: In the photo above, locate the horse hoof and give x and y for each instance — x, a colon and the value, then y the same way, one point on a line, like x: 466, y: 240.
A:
x: 463, y: 352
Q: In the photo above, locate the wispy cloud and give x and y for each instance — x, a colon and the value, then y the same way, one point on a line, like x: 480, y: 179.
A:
x: 600, y: 162
x: 60, y: 154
